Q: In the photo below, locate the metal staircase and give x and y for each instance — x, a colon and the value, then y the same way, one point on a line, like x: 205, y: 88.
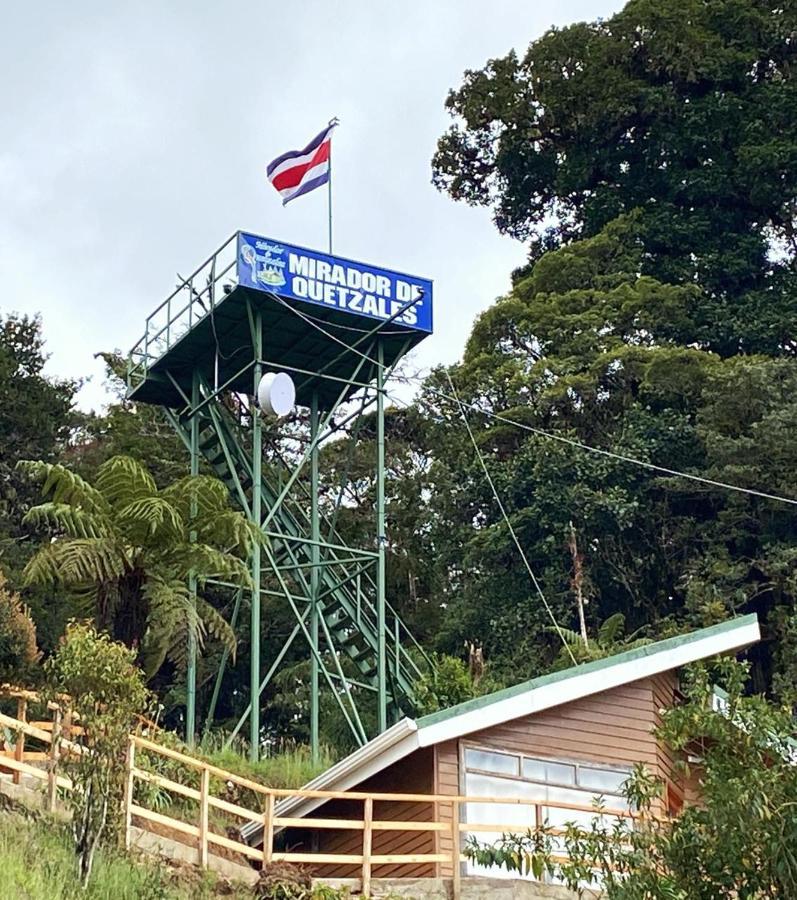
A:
x: 347, y: 610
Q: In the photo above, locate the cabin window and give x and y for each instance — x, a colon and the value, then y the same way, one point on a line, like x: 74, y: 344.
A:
x: 547, y: 785
x: 489, y: 761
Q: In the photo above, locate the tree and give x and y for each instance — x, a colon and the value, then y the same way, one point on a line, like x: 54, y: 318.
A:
x: 738, y: 843
x: 36, y: 419
x: 684, y: 112
x: 126, y: 428
x: 128, y: 550
x: 449, y: 682
x: 587, y: 349
x: 108, y: 693
x: 18, y: 650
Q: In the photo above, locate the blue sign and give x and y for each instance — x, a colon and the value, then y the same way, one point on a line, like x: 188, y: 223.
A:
x: 331, y: 281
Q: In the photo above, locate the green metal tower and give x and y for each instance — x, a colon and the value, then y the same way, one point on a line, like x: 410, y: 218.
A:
x: 338, y: 328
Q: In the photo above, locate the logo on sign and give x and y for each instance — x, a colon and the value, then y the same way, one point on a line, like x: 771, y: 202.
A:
x: 268, y: 265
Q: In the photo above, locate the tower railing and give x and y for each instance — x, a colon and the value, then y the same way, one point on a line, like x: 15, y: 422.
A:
x: 194, y: 298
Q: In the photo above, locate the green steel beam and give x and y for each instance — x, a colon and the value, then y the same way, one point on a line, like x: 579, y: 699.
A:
x: 190, y: 678
x: 256, y: 324
x: 225, y: 653
x: 316, y: 653
x: 266, y: 678
x: 307, y: 453
x: 381, y: 660
x: 280, y: 536
x: 315, y: 553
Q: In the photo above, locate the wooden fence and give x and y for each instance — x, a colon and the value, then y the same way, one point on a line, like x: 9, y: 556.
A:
x: 445, y: 819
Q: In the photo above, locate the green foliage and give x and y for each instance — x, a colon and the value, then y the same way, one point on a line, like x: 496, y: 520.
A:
x: 610, y: 639
x: 449, y: 682
x: 128, y: 549
x: 37, y: 863
x: 285, y: 765
x: 578, y: 349
x: 738, y: 843
x: 682, y: 112
x: 37, y: 417
x: 18, y: 650
x: 108, y: 694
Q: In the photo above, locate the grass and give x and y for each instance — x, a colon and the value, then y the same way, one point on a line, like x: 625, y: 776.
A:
x: 37, y: 862
x: 288, y: 766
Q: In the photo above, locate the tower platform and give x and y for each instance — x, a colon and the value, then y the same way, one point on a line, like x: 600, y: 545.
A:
x: 321, y: 315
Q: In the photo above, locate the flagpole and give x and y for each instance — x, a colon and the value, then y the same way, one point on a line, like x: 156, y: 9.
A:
x: 329, y: 198
x: 334, y: 122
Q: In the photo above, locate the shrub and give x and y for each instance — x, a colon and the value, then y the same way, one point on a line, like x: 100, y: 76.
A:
x: 108, y: 693
x: 18, y: 650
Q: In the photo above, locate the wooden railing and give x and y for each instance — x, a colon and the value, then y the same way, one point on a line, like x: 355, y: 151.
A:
x: 269, y: 817
x: 444, y: 822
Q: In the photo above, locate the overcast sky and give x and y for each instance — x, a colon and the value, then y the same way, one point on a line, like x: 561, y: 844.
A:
x: 134, y: 136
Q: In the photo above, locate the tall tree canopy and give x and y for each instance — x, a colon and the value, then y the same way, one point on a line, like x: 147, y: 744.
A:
x: 36, y: 418
x: 684, y: 111
x: 586, y: 348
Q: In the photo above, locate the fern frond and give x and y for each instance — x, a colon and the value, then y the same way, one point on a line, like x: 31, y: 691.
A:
x: 62, y: 486
x: 122, y: 480
x: 151, y: 517
x: 172, y: 618
x: 208, y: 495
x: 208, y: 562
x: 231, y: 530
x: 216, y: 625
x: 78, y: 562
x: 570, y: 637
x: 611, y: 630
x: 73, y: 521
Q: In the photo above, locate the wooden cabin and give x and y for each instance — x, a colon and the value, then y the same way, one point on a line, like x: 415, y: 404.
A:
x: 552, y: 743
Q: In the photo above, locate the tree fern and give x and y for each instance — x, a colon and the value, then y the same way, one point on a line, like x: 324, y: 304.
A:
x: 611, y: 630
x: 172, y: 617
x: 129, y: 550
x: 208, y: 495
x: 208, y: 562
x: 216, y: 625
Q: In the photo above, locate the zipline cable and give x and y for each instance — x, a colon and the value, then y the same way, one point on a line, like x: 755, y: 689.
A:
x: 620, y: 457
x: 501, y: 507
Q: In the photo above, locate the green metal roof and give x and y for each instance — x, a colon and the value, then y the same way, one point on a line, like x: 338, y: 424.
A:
x: 222, y: 338
x: 584, y: 669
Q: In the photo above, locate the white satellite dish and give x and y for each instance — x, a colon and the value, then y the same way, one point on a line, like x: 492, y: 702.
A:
x: 276, y: 394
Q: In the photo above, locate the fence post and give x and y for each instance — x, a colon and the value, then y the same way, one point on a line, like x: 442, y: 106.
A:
x: 204, y: 790
x: 19, y: 747
x: 52, y: 777
x: 268, y: 830
x: 456, y: 873
x: 368, y: 818
x: 129, y: 768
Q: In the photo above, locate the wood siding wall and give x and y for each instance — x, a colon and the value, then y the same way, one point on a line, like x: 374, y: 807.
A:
x: 413, y: 775
x: 612, y: 727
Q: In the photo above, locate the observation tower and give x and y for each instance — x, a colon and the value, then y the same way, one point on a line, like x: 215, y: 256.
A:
x: 255, y: 308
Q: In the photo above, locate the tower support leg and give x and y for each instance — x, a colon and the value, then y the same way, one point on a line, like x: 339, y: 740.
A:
x: 315, y: 532
x: 257, y: 517
x: 381, y: 539
x: 190, y: 679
